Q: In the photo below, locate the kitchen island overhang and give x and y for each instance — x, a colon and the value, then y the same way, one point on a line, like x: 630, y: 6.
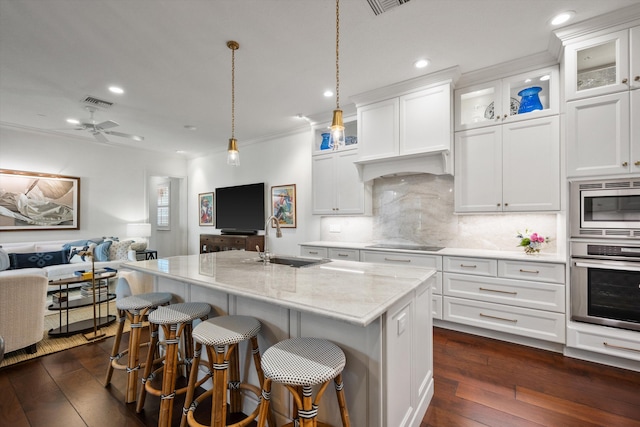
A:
x: 380, y: 316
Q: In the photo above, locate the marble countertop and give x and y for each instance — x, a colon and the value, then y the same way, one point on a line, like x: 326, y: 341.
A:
x: 463, y: 252
x: 354, y: 292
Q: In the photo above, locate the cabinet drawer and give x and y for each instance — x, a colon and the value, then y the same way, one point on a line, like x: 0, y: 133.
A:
x: 399, y: 258
x: 603, y: 342
x: 344, y: 254
x: 538, y: 271
x: 313, y: 251
x: 436, y: 307
x: 538, y: 324
x: 477, y: 266
x: 542, y: 296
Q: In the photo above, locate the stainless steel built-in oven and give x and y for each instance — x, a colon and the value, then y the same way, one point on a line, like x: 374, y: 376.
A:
x: 605, y: 208
x: 605, y: 284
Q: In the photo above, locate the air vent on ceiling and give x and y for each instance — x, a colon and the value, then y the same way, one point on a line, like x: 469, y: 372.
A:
x: 381, y: 6
x: 96, y: 102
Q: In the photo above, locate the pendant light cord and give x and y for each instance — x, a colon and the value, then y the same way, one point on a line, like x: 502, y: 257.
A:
x: 337, y: 54
x: 233, y: 92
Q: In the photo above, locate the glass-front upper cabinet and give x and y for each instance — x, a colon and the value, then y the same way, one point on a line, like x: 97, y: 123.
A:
x: 520, y: 97
x: 598, y: 66
x: 323, y: 143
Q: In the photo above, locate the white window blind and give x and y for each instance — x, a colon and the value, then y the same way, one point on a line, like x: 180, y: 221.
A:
x: 164, y: 212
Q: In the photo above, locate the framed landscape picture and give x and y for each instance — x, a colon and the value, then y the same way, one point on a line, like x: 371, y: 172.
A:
x: 38, y: 201
x: 205, y: 207
x: 283, y: 205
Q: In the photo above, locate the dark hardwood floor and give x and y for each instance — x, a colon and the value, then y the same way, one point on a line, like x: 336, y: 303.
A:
x: 478, y: 382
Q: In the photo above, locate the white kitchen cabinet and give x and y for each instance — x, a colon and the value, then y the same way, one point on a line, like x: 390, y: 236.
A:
x: 343, y: 254
x: 516, y: 297
x: 499, y: 101
x: 604, y: 340
x: 603, y: 64
x: 336, y: 185
x: 313, y: 251
x: 414, y: 123
x: 599, y: 138
x: 513, y: 167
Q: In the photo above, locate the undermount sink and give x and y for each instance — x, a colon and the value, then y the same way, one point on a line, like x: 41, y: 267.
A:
x: 296, y: 261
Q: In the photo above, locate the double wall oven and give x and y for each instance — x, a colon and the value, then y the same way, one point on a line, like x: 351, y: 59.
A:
x: 605, y: 252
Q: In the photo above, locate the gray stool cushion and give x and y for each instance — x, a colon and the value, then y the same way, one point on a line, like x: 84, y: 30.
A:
x: 303, y: 361
x: 179, y: 313
x: 138, y: 302
x: 225, y: 330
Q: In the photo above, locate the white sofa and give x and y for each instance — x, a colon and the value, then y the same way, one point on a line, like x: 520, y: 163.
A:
x: 56, y: 271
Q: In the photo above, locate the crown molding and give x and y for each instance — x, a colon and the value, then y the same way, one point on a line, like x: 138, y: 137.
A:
x: 509, y: 68
x: 608, y: 22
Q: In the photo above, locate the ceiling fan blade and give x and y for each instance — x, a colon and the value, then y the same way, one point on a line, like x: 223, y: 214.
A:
x: 100, y: 137
x: 125, y: 135
x: 107, y: 124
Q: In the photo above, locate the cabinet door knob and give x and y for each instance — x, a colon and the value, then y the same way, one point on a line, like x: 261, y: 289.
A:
x: 506, y: 204
x: 625, y: 80
x: 505, y: 116
x: 625, y: 164
x: 637, y: 78
x: 497, y: 204
x: 637, y: 163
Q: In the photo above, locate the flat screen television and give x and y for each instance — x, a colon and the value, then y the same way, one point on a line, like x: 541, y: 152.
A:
x: 240, y: 209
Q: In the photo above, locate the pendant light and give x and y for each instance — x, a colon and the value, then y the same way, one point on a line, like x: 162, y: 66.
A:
x: 233, y: 155
x: 337, y: 125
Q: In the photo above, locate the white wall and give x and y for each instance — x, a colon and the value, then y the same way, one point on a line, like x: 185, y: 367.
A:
x: 276, y: 161
x: 113, y: 188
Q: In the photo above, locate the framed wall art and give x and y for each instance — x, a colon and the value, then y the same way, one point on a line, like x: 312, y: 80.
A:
x: 205, y: 203
x: 38, y: 201
x: 283, y: 205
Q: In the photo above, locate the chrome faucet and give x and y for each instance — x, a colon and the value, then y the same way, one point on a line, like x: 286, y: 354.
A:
x: 266, y: 256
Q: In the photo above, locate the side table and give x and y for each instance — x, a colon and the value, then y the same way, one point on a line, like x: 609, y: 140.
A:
x: 146, y: 254
x: 64, y: 306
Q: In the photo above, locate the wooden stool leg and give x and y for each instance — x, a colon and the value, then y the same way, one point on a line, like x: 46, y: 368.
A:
x: 169, y: 376
x: 116, y: 346
x: 257, y: 362
x: 342, y: 401
x: 133, y: 364
x: 148, y: 367
x: 219, y: 405
x: 265, y: 400
x: 235, y: 404
x: 193, y: 378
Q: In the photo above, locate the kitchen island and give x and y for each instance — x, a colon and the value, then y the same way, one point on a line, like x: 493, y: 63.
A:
x: 378, y: 314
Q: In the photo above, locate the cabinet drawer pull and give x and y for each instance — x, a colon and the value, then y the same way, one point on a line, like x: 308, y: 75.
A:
x: 468, y: 266
x: 619, y: 347
x: 313, y: 252
x: 529, y: 271
x: 499, y: 291
x: 498, y: 318
x: 396, y: 260
x: 343, y: 255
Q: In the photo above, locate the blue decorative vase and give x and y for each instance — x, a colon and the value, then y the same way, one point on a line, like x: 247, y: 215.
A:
x: 529, y: 100
x: 326, y: 141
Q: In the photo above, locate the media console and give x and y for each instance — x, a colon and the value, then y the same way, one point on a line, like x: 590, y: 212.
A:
x: 228, y: 242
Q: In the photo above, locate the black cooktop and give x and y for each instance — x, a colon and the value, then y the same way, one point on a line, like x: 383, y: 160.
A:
x: 409, y: 247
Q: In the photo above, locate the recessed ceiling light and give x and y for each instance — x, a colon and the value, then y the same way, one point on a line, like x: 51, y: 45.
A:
x: 563, y: 17
x: 545, y: 78
x: 73, y: 121
x: 116, y: 90
x: 421, y: 63
x: 328, y: 93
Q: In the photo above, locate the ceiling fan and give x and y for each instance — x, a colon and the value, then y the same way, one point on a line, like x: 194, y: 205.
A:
x: 98, y: 130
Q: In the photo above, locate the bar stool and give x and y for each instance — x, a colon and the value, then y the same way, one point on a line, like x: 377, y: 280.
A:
x: 218, y: 334
x: 135, y: 308
x: 176, y: 321
x: 299, y: 364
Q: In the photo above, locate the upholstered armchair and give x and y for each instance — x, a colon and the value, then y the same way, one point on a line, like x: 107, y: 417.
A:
x: 22, y: 310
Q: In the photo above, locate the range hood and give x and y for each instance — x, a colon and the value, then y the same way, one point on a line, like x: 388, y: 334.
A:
x: 436, y: 162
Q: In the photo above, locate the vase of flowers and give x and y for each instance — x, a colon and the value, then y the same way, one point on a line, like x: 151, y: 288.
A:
x: 532, y: 242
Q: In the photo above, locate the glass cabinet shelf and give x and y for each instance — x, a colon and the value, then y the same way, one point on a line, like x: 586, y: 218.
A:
x: 350, y: 131
x: 505, y: 100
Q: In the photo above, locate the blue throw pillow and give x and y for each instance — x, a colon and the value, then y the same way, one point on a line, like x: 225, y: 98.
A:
x: 82, y: 242
x: 101, y: 252
x: 38, y: 259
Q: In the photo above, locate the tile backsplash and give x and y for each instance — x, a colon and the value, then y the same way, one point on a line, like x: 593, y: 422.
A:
x: 420, y: 209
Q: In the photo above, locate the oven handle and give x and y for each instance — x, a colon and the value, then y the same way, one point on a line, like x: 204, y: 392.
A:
x: 607, y: 266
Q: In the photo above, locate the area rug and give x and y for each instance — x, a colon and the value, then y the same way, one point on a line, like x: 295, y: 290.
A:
x: 50, y: 345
